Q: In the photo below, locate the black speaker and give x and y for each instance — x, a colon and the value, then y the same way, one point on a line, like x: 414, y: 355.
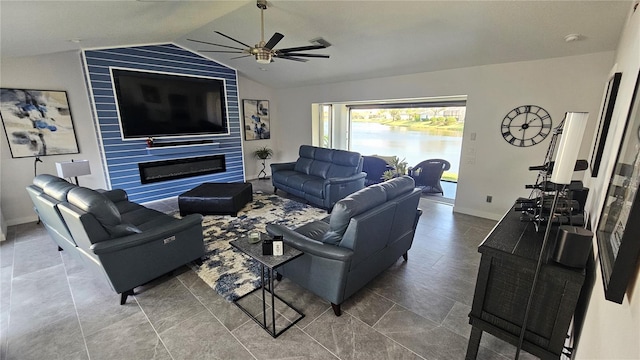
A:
x: 573, y: 246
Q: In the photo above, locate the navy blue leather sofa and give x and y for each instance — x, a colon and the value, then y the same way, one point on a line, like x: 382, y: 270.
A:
x: 321, y: 176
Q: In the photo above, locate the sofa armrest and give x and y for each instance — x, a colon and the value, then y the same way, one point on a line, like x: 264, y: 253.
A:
x: 345, y: 180
x: 336, y: 189
x: 171, y: 227
x: 282, y: 166
x: 310, y: 246
x: 116, y: 195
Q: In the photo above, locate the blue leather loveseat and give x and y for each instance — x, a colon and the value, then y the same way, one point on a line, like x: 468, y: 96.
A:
x: 366, y: 233
x: 321, y: 176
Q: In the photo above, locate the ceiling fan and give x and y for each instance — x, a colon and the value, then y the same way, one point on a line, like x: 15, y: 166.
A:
x: 264, y: 52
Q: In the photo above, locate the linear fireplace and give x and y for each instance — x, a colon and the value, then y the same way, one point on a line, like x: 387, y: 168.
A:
x: 163, y: 170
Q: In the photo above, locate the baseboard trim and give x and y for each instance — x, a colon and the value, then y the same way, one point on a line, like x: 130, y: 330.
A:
x: 482, y: 214
x: 22, y: 220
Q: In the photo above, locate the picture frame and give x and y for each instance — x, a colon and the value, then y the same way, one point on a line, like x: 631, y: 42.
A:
x: 618, y: 231
x: 609, y: 101
x: 37, y: 122
x: 257, y: 122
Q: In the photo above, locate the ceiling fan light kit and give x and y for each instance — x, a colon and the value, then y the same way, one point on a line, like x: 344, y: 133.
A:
x: 264, y: 52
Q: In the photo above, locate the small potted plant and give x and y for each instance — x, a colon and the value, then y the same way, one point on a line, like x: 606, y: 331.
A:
x: 398, y: 168
x: 263, y: 153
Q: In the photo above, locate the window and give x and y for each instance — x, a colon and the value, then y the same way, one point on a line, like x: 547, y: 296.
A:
x: 326, y: 126
x: 413, y: 131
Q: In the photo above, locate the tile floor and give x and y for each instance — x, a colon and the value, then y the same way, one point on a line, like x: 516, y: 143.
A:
x: 53, y: 308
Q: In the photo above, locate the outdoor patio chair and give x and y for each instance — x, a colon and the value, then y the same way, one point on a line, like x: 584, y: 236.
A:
x: 428, y: 173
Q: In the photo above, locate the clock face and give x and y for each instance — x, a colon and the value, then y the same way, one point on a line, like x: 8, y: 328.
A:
x: 526, y: 125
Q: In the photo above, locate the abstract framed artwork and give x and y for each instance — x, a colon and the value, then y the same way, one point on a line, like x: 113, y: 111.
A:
x: 37, y: 122
x: 609, y: 101
x: 618, y: 234
x: 256, y: 119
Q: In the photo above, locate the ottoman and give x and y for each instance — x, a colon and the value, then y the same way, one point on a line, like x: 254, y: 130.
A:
x: 215, y: 199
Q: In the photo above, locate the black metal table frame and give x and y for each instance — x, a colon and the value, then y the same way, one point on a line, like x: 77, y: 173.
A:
x: 263, y: 323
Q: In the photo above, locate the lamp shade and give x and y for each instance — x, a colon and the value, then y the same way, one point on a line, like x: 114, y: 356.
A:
x: 69, y: 169
x: 569, y: 146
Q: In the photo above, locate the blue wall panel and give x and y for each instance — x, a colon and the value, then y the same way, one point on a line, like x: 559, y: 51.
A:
x: 121, y: 158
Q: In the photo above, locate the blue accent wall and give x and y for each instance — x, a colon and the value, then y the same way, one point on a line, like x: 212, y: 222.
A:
x: 120, y: 158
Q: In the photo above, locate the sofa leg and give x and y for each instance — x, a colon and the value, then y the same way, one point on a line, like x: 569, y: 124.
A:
x: 278, y: 276
x: 274, y: 190
x: 60, y: 249
x: 124, y: 295
x: 198, y: 261
x: 406, y: 256
x: 336, y: 309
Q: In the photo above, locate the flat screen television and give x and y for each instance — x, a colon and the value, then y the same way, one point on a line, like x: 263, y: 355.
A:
x: 162, y: 105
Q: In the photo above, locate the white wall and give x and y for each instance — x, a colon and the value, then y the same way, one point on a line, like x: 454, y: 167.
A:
x: 612, y: 331
x: 62, y: 71
x: 489, y: 165
x: 249, y: 89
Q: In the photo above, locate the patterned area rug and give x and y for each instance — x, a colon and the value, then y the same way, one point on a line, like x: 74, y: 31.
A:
x: 227, y: 270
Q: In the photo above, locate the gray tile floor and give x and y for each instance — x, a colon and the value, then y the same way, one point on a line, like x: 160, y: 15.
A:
x: 53, y: 308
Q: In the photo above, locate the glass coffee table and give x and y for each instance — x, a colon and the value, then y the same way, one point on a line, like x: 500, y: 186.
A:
x: 269, y: 262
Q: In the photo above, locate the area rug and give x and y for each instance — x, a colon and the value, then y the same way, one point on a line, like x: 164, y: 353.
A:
x: 230, y: 272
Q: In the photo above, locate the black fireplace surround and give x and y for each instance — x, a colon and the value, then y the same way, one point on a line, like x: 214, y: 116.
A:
x: 156, y: 171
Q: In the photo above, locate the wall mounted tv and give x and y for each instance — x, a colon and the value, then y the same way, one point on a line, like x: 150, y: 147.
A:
x: 153, y: 104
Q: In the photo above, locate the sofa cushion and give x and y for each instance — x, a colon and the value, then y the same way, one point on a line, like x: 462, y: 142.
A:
x: 282, y: 175
x: 140, y: 216
x: 43, y: 179
x: 345, y: 158
x: 320, y: 169
x: 314, y: 230
x: 123, y: 229
x: 103, y: 209
x: 397, y: 186
x: 314, y: 186
x: 58, y: 189
x: 354, y: 204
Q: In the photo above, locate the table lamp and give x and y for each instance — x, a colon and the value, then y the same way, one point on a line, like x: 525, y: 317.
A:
x: 73, y: 169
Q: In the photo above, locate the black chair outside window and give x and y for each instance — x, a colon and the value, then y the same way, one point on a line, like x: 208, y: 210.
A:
x: 428, y: 173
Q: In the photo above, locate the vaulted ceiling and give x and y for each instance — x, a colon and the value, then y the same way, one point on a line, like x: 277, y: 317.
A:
x: 369, y: 38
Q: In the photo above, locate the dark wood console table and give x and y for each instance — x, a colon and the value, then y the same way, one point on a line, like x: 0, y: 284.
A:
x: 509, y: 257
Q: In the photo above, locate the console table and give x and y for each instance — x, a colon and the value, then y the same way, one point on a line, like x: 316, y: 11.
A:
x: 509, y: 257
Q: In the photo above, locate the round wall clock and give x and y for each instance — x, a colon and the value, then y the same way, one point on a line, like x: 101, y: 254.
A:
x: 526, y: 125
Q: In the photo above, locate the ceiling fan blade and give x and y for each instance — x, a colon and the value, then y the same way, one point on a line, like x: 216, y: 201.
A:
x: 301, y: 48
x: 308, y: 55
x: 292, y: 58
x: 221, y: 51
x: 210, y: 43
x: 275, y: 39
x: 230, y: 38
x: 238, y: 57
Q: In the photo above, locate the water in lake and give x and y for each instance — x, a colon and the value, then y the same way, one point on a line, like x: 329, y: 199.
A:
x: 414, y: 146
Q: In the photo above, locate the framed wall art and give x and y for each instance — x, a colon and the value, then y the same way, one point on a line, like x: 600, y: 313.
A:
x: 618, y: 234
x: 609, y: 101
x: 256, y: 119
x: 37, y: 122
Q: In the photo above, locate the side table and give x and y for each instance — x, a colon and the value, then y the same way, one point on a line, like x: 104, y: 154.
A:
x: 269, y: 262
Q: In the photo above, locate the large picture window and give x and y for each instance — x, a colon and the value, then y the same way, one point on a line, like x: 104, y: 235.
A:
x: 414, y: 131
